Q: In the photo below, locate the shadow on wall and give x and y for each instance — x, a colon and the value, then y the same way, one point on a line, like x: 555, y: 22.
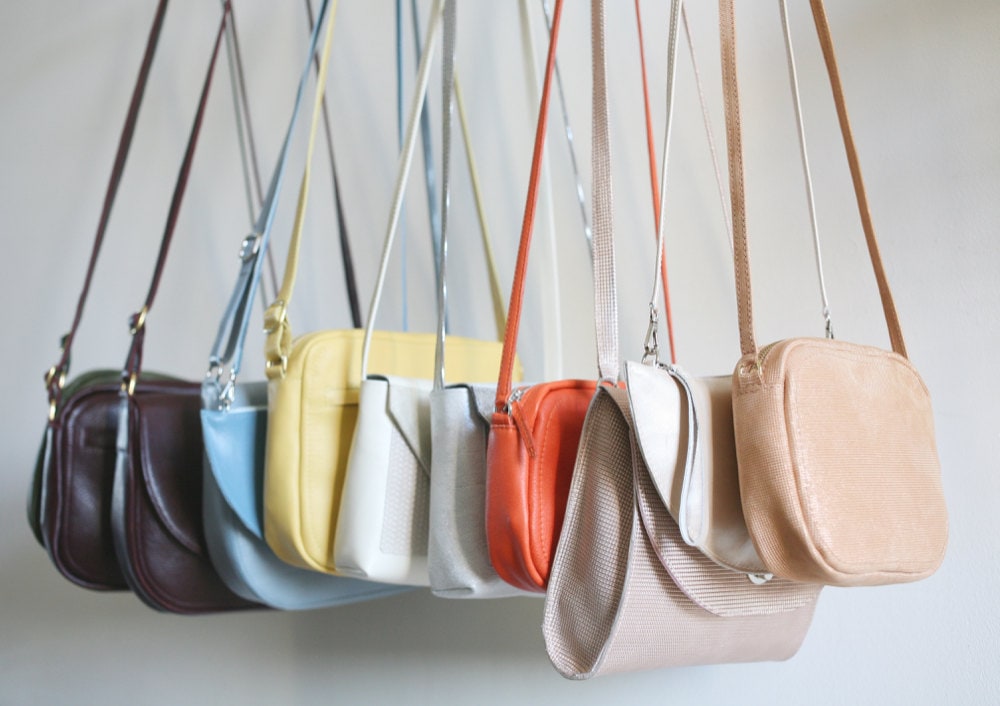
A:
x: 38, y: 601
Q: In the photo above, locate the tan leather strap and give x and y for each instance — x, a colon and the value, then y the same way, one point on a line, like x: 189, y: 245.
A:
x: 741, y: 259
x: 888, y: 306
x: 505, y: 381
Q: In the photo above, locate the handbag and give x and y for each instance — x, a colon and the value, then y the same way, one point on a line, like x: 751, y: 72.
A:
x: 534, y: 429
x: 458, y: 562
x: 234, y: 427
x: 383, y: 524
x: 626, y: 592
x: 315, y: 386
x: 156, y: 514
x: 839, y: 473
x: 70, y: 495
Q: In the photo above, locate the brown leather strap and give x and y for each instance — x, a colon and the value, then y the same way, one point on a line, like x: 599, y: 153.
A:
x: 56, y: 376
x: 133, y: 363
x: 654, y: 185
x: 888, y: 305
x: 741, y: 259
x: 527, y: 224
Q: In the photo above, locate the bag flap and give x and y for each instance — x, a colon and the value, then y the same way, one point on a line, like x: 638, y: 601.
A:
x: 659, y: 406
x: 170, y: 448
x: 234, y: 444
x: 409, y: 408
x: 483, y: 398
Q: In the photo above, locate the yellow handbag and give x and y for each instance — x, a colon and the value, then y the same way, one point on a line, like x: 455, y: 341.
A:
x: 314, y: 384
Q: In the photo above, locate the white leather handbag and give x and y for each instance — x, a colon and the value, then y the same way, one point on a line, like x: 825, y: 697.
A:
x: 382, y: 524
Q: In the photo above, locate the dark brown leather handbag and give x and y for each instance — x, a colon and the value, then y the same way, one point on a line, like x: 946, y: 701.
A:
x: 156, y: 512
x: 70, y: 500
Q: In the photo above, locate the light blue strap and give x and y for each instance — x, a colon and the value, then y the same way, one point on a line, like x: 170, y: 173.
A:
x: 228, y: 346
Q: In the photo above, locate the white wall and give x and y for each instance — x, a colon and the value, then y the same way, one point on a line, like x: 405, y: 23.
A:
x: 921, y: 83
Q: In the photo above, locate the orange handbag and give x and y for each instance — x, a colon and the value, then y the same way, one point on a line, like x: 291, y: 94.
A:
x: 535, y: 429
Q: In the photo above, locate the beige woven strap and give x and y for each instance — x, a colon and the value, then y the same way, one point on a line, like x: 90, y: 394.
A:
x: 602, y: 198
x: 741, y: 258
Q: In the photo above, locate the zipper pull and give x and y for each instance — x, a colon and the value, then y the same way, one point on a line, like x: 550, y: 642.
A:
x: 523, y: 429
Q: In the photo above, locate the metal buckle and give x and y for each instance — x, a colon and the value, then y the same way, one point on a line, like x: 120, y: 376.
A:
x: 651, y: 346
x: 249, y: 247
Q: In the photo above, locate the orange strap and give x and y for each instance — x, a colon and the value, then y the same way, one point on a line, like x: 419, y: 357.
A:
x: 654, y: 184
x: 527, y: 225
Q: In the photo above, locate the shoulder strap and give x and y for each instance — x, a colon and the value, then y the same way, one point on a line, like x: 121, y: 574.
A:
x: 278, y: 333
x: 447, y: 108
x: 402, y: 174
x: 741, y: 258
x: 137, y: 324
x: 55, y: 378
x: 547, y: 258
x: 496, y: 294
x: 654, y: 184
x: 345, y: 244
x: 228, y: 347
x: 605, y: 285
x: 504, y: 383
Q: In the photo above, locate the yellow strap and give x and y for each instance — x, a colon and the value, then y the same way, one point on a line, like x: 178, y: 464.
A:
x: 499, y: 307
x: 279, y: 335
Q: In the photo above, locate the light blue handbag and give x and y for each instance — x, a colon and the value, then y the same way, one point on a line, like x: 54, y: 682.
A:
x: 234, y: 424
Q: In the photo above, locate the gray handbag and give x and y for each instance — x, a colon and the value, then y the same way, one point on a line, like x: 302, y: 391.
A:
x: 458, y: 560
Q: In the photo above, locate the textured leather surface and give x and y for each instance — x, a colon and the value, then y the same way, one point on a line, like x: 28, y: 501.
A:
x: 232, y: 509
x: 381, y: 531
x: 529, y: 465
x: 839, y: 471
x: 613, y: 606
x: 685, y: 433
x: 157, y: 514
x: 838, y: 464
x: 457, y: 554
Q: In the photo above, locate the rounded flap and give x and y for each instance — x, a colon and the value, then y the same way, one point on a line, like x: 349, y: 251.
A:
x: 719, y: 590
x: 234, y: 444
x: 169, y: 433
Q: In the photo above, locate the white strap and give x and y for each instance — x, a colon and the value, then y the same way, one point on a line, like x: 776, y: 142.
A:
x: 402, y: 175
x: 794, y: 80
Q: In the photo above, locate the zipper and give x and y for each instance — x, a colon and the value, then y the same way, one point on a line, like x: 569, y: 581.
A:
x: 513, y: 409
